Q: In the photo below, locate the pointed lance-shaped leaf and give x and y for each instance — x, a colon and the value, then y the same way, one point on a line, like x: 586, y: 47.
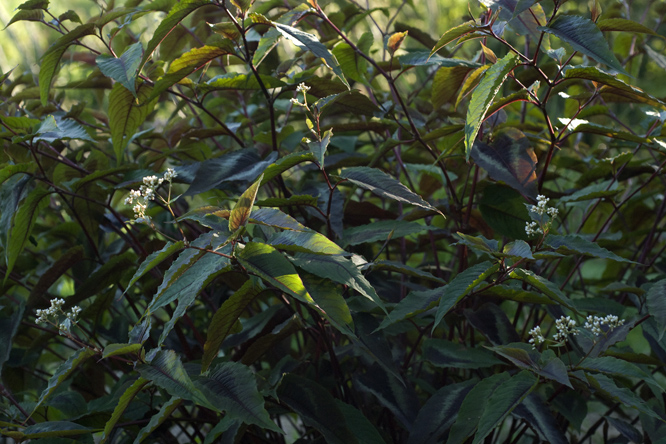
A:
x: 51, y: 57
x: 511, y: 159
x: 122, y: 405
x: 384, y: 185
x: 483, y: 96
x: 454, y: 33
x: 126, y: 115
x: 158, y: 419
x: 123, y: 69
x: 584, y: 36
x: 243, y: 208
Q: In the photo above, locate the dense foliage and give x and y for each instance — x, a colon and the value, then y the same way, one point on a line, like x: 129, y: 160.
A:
x: 284, y: 221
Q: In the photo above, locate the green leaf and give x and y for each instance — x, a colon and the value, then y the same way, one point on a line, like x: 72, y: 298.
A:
x: 538, y: 415
x: 231, y: 387
x: 53, y: 429
x: 9, y: 324
x: 447, y: 354
x: 317, y: 407
x: 359, y: 425
x: 186, y: 64
x: 473, y: 79
x: 422, y: 58
x: 617, y: 367
x: 338, y: 269
x: 524, y: 356
x: 310, y: 42
x: 518, y: 249
x: 243, y: 208
x: 656, y: 304
x: 126, y: 115
x: 51, y: 58
x: 596, y: 75
x: 22, y: 223
x: 594, y: 191
x: 384, y: 185
x: 502, y: 402
x: 584, y: 36
x: 65, y: 369
x: 30, y: 15
x: 69, y: 15
x: 120, y: 349
x: 272, y: 266
x: 454, y: 33
x: 403, y: 269
x: 318, y: 148
x: 542, y: 284
x: 483, y: 96
x: 275, y: 218
x: 504, y: 210
x: 607, y: 388
x: 392, y: 393
x: 575, y: 244
x: 158, y: 419
x: 473, y: 407
x: 154, y: 259
x: 294, y: 200
x: 329, y: 299
x: 446, y: 83
x: 233, y: 81
x: 620, y: 24
x: 414, y: 303
x: 243, y: 5
x: 225, y: 319
x: 509, y: 158
x: 461, y: 285
x: 123, y: 69
x: 179, y: 11
x: 305, y: 242
x: 438, y: 413
x: 52, y: 129
x: 381, y: 231
x: 352, y: 64
x: 122, y: 405
x: 285, y: 163
x: 167, y: 372
x: 34, y: 4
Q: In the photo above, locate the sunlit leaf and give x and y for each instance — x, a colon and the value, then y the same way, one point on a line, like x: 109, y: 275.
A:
x: 243, y: 208
x: 483, y: 96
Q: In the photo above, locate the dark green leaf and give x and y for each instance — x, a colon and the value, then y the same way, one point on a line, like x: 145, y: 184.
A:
x: 359, y: 425
x: 126, y: 115
x: 22, y: 223
x: 285, y: 163
x: 504, y: 399
x: 330, y: 301
x: 318, y: 148
x: 51, y: 58
x: 158, y: 419
x: 31, y: 15
x: 542, y: 284
x: 122, y: 405
x: 179, y: 11
x: 383, y: 185
x: 404, y: 269
x: 120, y: 349
x: 65, y: 369
x: 447, y: 354
x: 572, y: 243
x: 422, y: 58
x: 305, y: 242
x: 453, y: 34
x: 225, y: 319
x: 231, y: 387
x: 414, y: 303
x: 53, y: 429
x: 123, y: 69
x: 9, y: 323
x: 584, y: 36
x: 607, y: 388
x: 509, y: 158
x: 519, y: 249
x: 294, y: 200
x: 52, y: 129
x: 277, y: 219
x: 536, y: 413
x: 620, y: 24
x: 483, y: 96
x: 310, y: 42
x: 34, y: 4
x: 656, y: 304
x: 317, y: 408
x: 154, y: 259
x: 439, y: 413
x: 594, y: 191
x: 446, y: 83
x: 167, y: 372
x: 381, y: 231
x: 461, y: 285
x: 339, y: 269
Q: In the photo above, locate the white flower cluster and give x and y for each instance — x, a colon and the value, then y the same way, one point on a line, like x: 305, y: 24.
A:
x: 302, y: 87
x: 146, y: 193
x: 537, y: 337
x: 63, y: 319
x: 565, y: 326
x: 534, y: 227
x: 594, y: 323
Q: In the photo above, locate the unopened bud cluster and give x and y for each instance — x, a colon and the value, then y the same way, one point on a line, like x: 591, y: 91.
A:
x: 538, y: 227
x: 566, y: 327
x: 55, y: 315
x: 146, y: 193
x: 302, y: 88
x: 594, y: 323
